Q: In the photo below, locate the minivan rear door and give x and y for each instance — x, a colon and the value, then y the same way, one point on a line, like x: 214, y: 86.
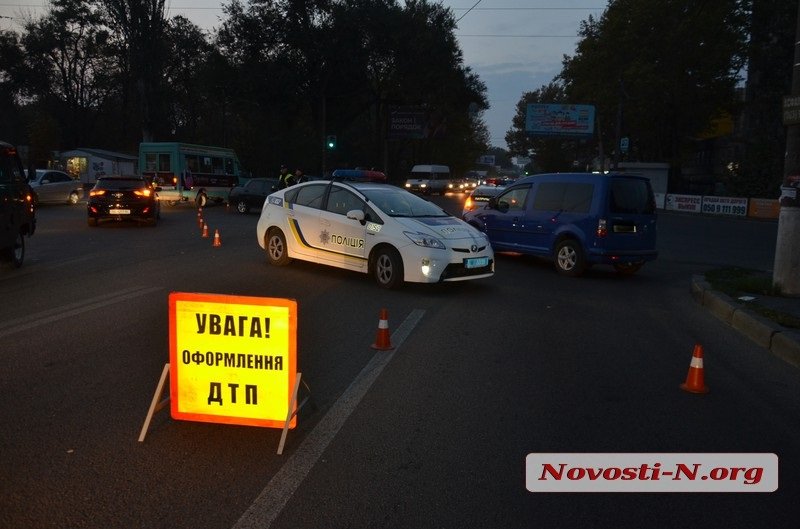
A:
x: 631, y: 222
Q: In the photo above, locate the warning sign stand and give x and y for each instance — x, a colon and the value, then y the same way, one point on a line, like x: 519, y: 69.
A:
x: 291, y: 413
x: 157, y: 405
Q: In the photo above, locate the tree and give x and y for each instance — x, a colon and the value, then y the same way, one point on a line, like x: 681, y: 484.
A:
x: 68, y: 67
x: 673, y: 65
x: 12, y: 81
x: 335, y: 67
x: 141, y: 26
x: 763, y: 136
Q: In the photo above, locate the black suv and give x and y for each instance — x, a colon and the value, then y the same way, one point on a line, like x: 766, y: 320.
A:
x: 17, y: 207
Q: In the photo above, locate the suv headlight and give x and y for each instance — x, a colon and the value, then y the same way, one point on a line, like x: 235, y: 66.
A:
x: 422, y: 239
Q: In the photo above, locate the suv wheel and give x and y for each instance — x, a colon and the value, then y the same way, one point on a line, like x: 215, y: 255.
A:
x: 15, y: 254
x: 569, y: 258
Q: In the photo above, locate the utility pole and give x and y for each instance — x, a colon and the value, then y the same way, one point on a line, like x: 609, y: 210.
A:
x: 786, y: 272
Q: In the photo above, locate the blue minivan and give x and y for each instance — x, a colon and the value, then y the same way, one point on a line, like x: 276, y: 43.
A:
x: 575, y: 219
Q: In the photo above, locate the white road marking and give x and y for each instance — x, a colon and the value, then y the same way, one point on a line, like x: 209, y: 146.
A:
x: 269, y: 504
x: 67, y: 311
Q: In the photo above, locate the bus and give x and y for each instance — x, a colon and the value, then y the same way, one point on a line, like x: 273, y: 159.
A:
x: 189, y: 173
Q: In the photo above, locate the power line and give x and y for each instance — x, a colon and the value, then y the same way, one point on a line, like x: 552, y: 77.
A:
x: 468, y: 10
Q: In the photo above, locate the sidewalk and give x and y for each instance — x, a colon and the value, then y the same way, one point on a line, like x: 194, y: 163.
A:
x: 783, y: 342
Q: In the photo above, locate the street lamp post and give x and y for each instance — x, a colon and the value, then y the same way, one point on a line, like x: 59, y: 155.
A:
x: 786, y: 272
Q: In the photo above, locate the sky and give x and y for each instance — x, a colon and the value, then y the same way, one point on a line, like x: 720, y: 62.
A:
x: 514, y: 46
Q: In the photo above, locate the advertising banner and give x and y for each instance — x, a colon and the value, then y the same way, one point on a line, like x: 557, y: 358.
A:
x: 554, y: 120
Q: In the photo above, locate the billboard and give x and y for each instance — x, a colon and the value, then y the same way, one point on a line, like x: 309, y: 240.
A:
x: 556, y: 120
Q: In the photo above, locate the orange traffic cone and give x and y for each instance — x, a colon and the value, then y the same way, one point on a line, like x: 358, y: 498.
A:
x: 382, y: 342
x: 694, y: 380
x: 217, y: 241
x: 205, y: 230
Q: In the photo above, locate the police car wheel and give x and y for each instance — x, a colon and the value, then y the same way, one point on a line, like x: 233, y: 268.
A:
x: 388, y: 268
x: 277, y: 253
x: 569, y: 258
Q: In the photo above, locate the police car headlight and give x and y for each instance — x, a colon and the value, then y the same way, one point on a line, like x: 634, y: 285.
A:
x: 421, y: 239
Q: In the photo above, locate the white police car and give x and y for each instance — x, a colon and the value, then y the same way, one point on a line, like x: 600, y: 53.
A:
x: 374, y: 228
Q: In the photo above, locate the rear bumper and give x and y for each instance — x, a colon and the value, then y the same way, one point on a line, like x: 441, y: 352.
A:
x: 597, y: 256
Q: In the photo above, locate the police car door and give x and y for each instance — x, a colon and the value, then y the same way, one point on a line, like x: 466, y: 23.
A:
x: 303, y: 219
x: 342, y: 240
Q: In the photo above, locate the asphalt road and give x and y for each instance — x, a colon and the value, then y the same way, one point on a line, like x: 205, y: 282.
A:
x: 431, y: 434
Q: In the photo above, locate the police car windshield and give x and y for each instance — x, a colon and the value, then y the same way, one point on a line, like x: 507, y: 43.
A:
x: 399, y: 203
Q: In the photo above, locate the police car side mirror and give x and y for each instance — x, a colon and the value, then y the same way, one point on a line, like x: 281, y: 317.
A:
x: 492, y: 203
x: 356, y: 214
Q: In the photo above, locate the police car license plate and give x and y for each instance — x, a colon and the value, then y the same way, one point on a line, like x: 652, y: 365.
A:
x: 476, y: 262
x: 119, y: 212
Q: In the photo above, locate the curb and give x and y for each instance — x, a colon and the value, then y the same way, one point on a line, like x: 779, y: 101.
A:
x: 780, y: 341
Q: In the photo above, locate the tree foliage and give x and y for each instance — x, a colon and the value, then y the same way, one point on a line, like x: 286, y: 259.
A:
x: 658, y: 71
x: 275, y: 78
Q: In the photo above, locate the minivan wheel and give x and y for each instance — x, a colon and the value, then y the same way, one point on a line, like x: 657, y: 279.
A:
x: 387, y: 268
x: 627, y: 269
x: 569, y: 258
x: 277, y: 253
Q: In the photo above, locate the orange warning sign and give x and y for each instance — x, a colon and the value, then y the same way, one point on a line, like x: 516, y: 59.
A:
x: 233, y: 359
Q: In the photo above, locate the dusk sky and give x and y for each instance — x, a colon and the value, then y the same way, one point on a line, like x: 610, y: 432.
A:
x: 514, y: 46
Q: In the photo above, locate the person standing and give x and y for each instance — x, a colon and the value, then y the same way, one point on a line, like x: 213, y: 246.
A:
x: 285, y: 178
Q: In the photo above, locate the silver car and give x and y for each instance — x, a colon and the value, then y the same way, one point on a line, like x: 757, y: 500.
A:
x: 55, y: 187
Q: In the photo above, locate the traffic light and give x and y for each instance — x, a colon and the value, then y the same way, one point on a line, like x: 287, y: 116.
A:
x: 330, y: 142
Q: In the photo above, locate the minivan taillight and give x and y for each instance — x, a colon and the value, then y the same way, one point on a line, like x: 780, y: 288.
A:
x: 602, y: 229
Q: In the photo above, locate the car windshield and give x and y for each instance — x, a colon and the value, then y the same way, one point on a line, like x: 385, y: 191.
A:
x: 399, y: 203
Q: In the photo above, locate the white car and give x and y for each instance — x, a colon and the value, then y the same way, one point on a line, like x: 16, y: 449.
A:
x: 374, y: 228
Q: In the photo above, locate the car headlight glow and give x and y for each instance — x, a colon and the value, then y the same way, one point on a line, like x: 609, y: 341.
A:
x: 422, y: 239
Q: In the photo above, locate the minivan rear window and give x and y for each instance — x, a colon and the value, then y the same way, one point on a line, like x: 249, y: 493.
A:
x: 631, y: 195
x: 565, y: 197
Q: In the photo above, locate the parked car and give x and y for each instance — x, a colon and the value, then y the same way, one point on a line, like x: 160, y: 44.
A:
x: 121, y: 198
x: 17, y: 207
x: 373, y: 228
x: 575, y: 219
x: 55, y: 187
x: 252, y: 193
x: 479, y: 196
